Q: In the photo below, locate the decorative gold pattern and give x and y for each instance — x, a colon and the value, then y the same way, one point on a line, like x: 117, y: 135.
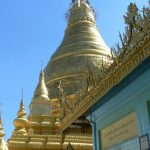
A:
x: 89, y: 53
x: 138, y: 54
x: 49, y: 142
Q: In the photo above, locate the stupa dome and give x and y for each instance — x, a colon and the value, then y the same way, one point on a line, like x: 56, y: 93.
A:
x: 82, y: 45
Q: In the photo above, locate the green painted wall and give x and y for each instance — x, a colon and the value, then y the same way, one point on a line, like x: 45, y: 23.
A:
x: 134, y: 96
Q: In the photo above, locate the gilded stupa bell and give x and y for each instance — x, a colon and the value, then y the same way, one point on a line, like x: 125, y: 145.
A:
x: 40, y: 117
x: 81, y: 46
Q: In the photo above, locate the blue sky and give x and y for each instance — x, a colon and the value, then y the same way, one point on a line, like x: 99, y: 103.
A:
x: 30, y: 31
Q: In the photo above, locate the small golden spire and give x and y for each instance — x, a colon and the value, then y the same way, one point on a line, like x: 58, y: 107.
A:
x: 22, y: 94
x: 1, y: 109
x: 41, y: 90
x: 3, y: 144
x: 21, y: 112
x: 21, y: 122
x: 2, y: 133
x: 42, y: 64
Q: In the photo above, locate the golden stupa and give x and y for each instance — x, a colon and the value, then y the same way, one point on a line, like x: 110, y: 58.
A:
x: 42, y: 129
x: 82, y: 49
x: 63, y: 80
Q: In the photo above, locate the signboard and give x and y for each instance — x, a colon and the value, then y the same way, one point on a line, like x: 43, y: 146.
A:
x: 119, y: 131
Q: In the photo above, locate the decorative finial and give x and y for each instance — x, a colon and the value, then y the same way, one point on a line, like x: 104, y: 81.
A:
x: 1, y: 109
x: 2, y: 133
x: 22, y: 105
x: 80, y: 11
x: 22, y: 101
x: 22, y: 94
x: 42, y: 64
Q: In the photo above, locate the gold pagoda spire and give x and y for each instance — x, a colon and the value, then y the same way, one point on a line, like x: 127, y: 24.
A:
x: 41, y: 90
x: 2, y: 133
x: 40, y: 98
x: 21, y: 122
x: 3, y: 144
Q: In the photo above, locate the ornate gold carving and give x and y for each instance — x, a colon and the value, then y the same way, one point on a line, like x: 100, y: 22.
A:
x: 117, y: 73
x: 50, y: 141
x: 137, y: 24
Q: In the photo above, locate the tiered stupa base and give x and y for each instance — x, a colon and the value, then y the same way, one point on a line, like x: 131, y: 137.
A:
x: 49, y: 142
